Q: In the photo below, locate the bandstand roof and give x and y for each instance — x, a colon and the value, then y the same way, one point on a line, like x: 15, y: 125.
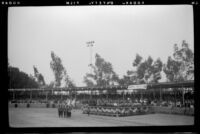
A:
x: 185, y: 84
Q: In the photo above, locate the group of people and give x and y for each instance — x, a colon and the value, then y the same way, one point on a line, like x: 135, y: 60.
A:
x: 145, y: 101
x: 64, y: 110
x: 117, y: 111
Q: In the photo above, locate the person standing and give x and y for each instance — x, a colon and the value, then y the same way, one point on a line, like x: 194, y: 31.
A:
x: 62, y: 110
x: 88, y: 110
x: 69, y: 110
x: 59, y: 110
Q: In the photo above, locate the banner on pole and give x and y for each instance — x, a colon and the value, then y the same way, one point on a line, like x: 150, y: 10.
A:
x: 142, y: 86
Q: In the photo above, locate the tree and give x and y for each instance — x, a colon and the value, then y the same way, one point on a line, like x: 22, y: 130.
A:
x: 39, y: 77
x: 181, y: 66
x: 57, y: 68
x: 147, y: 71
x: 19, y: 79
x: 103, y: 73
x: 68, y: 82
x: 126, y: 80
x: 157, y: 68
x: 171, y: 69
x: 137, y: 60
x: 60, y: 72
x: 35, y: 71
x: 50, y: 85
x: 144, y: 69
x: 87, y: 81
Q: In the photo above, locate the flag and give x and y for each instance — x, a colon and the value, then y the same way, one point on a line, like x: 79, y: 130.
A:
x: 73, y: 102
x: 68, y: 102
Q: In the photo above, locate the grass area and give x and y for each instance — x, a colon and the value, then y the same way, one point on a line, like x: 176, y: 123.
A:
x: 48, y: 117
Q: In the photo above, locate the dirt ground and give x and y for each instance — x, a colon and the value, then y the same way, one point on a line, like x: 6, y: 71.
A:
x: 48, y: 117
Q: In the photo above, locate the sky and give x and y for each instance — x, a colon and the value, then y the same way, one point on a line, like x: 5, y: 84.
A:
x: 119, y: 33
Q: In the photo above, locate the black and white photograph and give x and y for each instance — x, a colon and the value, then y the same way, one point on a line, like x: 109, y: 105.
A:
x: 101, y: 66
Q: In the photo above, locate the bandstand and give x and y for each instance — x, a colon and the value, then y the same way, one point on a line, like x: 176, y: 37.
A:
x: 124, y: 96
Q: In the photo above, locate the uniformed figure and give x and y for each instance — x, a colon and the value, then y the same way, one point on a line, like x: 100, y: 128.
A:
x: 69, y: 111
x: 62, y: 110
x: 88, y: 110
x: 65, y: 110
x: 59, y: 110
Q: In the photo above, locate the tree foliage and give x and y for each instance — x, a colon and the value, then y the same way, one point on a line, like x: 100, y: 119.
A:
x: 137, y: 60
x: 147, y: 71
x: 60, y: 72
x: 156, y: 71
x: 103, y: 73
x: 39, y: 77
x: 126, y: 80
x: 181, y: 66
x: 68, y: 82
x: 19, y: 79
x: 50, y: 85
x: 57, y: 68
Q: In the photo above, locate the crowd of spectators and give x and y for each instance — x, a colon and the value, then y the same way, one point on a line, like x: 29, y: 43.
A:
x: 134, y: 102
x: 167, y: 100
x: 115, y: 111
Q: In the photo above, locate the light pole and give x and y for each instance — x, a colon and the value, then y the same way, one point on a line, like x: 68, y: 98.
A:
x: 90, y: 45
